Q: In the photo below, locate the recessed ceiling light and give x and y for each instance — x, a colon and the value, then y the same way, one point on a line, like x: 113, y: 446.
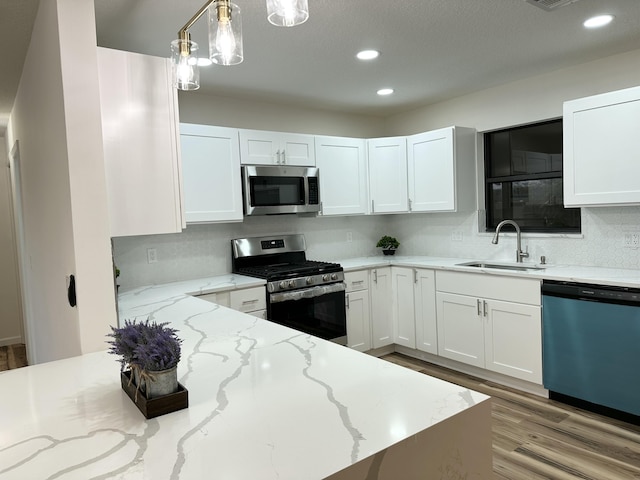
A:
x: 204, y: 62
x: 385, y: 91
x: 599, y: 21
x: 368, y: 54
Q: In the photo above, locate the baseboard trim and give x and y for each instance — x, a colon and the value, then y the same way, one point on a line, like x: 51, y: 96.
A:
x: 5, y: 342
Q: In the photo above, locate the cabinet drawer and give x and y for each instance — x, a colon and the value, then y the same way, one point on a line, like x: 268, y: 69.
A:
x: 509, y: 289
x: 220, y: 298
x: 249, y: 299
x: 357, y: 280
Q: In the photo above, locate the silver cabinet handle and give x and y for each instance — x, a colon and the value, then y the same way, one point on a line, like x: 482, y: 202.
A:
x: 278, y: 157
x: 409, y: 204
x: 284, y: 157
x: 484, y: 307
x: 346, y: 301
x: 372, y: 207
x: 415, y: 275
x: 247, y: 302
x: 375, y: 276
x: 479, y: 307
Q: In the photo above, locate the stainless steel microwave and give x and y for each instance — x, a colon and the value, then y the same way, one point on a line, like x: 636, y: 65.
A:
x: 278, y: 189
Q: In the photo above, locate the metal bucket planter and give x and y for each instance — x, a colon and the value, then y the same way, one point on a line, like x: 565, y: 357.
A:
x: 158, y: 383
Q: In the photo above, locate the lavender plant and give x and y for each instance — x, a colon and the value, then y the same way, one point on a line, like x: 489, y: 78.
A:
x: 146, y: 345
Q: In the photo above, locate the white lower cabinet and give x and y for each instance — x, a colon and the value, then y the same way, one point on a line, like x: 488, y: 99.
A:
x: 414, y: 309
x: 381, y: 321
x: 358, y: 312
x: 491, y: 322
x: 252, y: 301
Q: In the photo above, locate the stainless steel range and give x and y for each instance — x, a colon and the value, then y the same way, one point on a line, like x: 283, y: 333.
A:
x: 306, y: 295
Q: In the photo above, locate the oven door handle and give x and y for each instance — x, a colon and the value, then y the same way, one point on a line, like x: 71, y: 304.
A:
x: 312, y: 292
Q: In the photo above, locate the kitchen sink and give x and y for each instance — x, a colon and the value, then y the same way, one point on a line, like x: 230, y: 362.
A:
x: 501, y: 266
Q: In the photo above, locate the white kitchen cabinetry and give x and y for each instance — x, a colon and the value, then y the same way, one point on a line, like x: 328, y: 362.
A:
x: 414, y: 308
x: 343, y: 175
x: 601, y: 145
x: 258, y: 147
x: 491, y: 322
x: 357, y: 306
x: 211, y: 172
x: 441, y: 165
x: 252, y: 301
x: 387, y: 158
x: 381, y: 320
x: 141, y: 143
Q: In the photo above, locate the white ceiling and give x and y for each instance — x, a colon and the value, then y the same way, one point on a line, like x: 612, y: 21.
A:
x: 431, y: 50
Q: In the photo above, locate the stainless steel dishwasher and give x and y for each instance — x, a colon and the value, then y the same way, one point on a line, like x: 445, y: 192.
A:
x: 591, y: 347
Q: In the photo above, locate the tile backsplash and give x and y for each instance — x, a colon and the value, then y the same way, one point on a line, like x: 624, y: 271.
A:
x: 204, y: 250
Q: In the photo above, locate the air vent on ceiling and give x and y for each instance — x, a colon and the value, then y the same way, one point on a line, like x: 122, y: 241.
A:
x: 549, y: 5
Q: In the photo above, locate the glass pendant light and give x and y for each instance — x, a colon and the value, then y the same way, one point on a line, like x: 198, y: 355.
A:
x: 287, y: 13
x: 184, y: 57
x: 225, y: 33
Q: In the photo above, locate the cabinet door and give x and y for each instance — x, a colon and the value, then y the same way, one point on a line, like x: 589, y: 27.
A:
x: 297, y: 149
x: 432, y: 171
x: 343, y: 175
x: 381, y: 321
x: 388, y: 174
x: 358, y: 320
x: 258, y: 147
x: 601, y: 144
x: 404, y: 325
x: 425, y: 311
x: 211, y: 172
x: 141, y: 143
x: 513, y: 340
x: 460, y: 328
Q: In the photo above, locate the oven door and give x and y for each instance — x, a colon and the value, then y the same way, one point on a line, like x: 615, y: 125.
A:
x: 319, y: 311
x: 272, y: 190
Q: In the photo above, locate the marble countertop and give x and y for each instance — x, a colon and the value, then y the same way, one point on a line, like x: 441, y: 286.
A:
x: 571, y: 273
x: 265, y: 402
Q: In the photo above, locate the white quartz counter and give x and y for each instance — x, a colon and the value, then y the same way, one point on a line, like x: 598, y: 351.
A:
x: 265, y: 402
x: 583, y: 274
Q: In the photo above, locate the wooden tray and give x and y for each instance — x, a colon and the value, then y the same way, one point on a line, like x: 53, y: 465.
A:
x: 155, y: 407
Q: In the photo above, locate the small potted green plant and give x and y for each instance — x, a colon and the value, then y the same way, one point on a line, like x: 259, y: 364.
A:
x: 388, y: 245
x: 151, y: 351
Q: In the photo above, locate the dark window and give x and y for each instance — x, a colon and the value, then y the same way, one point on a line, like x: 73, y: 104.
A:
x: 523, y: 179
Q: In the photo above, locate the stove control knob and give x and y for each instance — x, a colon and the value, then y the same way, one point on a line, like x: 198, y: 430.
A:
x: 309, y: 280
x: 292, y: 283
x: 334, y: 276
x: 325, y: 277
x: 282, y: 285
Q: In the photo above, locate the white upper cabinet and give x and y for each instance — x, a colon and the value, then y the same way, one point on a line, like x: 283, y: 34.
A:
x: 343, y: 175
x: 601, y: 164
x: 388, y: 174
x: 258, y: 147
x: 441, y: 166
x: 141, y: 143
x: 211, y: 172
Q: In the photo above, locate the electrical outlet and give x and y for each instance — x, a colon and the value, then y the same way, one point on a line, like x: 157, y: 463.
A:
x: 349, y: 237
x: 152, y: 255
x: 456, y: 236
x: 635, y: 240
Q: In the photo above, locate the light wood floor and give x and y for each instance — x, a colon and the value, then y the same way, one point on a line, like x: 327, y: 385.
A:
x: 536, y: 438
x: 13, y: 356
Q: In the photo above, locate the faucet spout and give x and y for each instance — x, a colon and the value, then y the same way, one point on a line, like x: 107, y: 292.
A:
x: 519, y: 253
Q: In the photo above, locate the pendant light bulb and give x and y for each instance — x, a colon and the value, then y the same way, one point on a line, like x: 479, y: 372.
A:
x: 186, y: 74
x: 225, y: 33
x: 287, y: 13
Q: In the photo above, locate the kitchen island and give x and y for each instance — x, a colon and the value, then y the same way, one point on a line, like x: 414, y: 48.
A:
x: 265, y: 402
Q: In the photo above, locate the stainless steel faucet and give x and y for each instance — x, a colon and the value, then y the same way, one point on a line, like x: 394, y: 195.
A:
x: 519, y: 253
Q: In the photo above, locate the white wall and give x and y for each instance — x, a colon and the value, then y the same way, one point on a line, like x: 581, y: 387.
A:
x: 224, y: 112
x: 56, y: 118
x: 10, y: 304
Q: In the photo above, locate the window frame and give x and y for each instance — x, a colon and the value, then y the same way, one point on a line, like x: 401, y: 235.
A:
x: 490, y: 222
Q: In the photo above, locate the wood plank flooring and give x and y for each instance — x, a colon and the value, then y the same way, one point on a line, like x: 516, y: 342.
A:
x: 13, y: 356
x: 536, y: 438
